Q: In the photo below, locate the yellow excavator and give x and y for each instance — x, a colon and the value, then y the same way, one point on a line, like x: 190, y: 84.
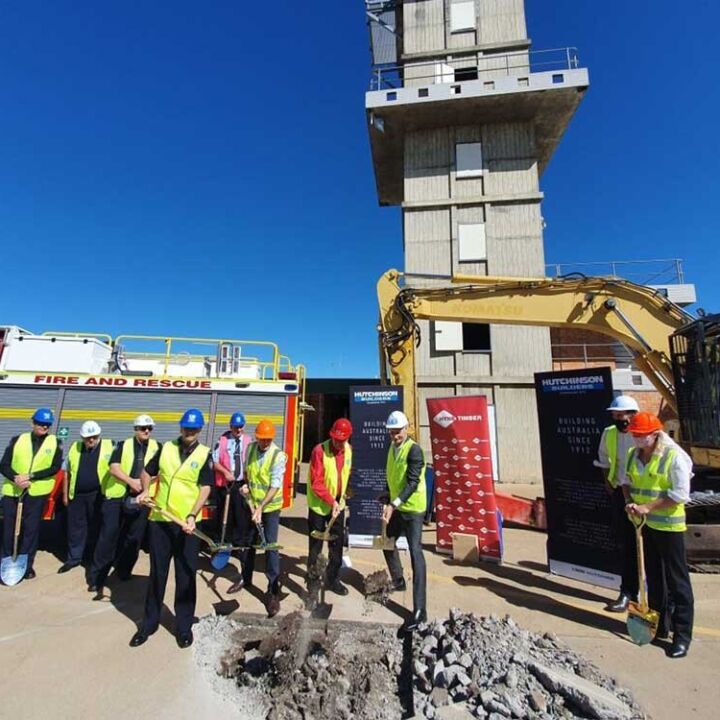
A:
x: 679, y: 354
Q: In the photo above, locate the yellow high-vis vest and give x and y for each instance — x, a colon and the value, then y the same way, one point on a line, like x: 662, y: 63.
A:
x: 653, y: 483
x: 611, y: 443
x: 178, y: 480
x: 127, y: 458
x: 107, y: 482
x: 24, y: 462
x: 331, y: 478
x: 396, y: 470
x: 259, y: 473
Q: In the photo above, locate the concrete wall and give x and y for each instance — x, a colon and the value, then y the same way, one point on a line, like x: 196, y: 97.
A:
x: 426, y: 25
x: 505, y: 197
x: 436, y: 202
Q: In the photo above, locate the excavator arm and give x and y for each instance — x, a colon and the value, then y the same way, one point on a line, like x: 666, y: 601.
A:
x: 638, y: 316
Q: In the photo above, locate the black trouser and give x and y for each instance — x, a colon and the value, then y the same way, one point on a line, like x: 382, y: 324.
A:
x: 169, y: 542
x: 250, y: 537
x: 668, y: 579
x: 132, y: 534
x: 83, y: 516
x: 410, y: 525
x: 335, y: 549
x: 236, y: 517
x: 625, y: 534
x: 107, y: 543
x: 30, y: 530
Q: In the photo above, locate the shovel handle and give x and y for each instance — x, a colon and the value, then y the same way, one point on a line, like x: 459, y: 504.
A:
x: 226, y: 509
x: 258, y: 525
x: 174, y: 518
x: 332, y: 520
x: 18, y: 524
x: 639, y: 524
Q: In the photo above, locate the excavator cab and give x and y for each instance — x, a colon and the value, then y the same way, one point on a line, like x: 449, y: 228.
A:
x: 695, y: 350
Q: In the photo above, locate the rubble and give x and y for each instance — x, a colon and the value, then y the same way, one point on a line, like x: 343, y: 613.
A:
x: 463, y: 667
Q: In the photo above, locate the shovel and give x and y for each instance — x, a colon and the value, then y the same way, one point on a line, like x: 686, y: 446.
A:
x: 264, y: 545
x: 326, y: 536
x: 14, y: 567
x: 220, y: 554
x: 382, y: 541
x: 642, y: 622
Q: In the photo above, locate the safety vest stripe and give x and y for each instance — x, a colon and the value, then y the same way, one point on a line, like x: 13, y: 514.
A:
x: 647, y: 492
x: 666, y: 519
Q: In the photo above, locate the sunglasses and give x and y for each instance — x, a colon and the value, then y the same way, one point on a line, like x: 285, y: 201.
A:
x: 149, y: 428
x: 43, y: 425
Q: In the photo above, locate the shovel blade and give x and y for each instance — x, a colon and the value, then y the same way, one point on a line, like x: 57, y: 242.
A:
x: 383, y: 543
x: 267, y: 546
x: 13, y: 571
x: 318, y: 535
x: 642, y: 625
x: 220, y: 559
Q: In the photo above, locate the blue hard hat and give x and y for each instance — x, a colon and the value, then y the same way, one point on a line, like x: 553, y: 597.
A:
x: 192, y: 419
x: 43, y: 415
x: 237, y: 420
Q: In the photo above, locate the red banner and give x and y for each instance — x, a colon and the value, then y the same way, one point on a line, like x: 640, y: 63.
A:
x: 464, y: 491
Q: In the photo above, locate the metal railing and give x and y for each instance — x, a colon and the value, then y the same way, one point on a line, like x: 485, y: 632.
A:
x: 461, y: 68
x: 592, y: 354
x: 644, y: 272
x: 187, y: 347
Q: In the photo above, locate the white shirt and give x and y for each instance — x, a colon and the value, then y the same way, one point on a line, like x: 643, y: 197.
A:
x: 624, y: 443
x: 679, y: 473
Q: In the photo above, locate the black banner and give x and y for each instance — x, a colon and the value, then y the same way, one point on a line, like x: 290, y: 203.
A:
x: 572, y: 413
x: 369, y: 409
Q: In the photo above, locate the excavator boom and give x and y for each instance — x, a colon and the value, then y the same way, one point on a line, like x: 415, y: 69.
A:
x: 638, y: 316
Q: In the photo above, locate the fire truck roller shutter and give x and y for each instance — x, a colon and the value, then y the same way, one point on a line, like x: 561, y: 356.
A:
x: 116, y: 409
x: 17, y: 404
x: 255, y: 408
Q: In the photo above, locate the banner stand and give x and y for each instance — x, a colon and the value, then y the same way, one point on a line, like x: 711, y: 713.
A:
x: 370, y: 406
x: 462, y: 459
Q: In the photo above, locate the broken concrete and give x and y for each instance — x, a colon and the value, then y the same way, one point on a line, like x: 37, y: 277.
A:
x: 465, y: 666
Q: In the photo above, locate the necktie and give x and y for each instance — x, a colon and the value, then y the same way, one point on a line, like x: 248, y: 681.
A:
x: 237, y: 458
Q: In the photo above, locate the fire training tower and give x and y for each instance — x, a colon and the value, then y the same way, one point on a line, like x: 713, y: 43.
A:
x: 463, y: 119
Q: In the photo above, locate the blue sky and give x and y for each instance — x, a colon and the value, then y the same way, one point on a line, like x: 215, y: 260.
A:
x: 181, y: 168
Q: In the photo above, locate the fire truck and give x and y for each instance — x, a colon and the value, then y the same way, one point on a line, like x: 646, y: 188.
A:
x: 92, y: 376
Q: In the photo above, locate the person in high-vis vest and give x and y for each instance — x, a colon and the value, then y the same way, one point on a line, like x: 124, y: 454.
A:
x: 30, y: 463
x: 615, y: 442
x: 264, y: 473
x: 183, y: 468
x: 405, y: 511
x: 229, y: 457
x: 330, y: 467
x: 124, y: 520
x: 86, y: 482
x: 657, y: 486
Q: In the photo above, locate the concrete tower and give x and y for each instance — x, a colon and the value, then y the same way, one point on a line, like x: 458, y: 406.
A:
x: 463, y: 120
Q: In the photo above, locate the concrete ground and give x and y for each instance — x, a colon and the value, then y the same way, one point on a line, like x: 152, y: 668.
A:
x: 65, y: 654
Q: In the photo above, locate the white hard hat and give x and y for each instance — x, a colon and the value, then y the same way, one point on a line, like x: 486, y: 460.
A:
x: 142, y: 420
x: 624, y: 403
x: 89, y: 429
x: 397, y: 420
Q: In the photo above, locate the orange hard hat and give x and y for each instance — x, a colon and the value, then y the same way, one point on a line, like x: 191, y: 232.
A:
x: 644, y: 423
x: 264, y: 430
x: 341, y: 430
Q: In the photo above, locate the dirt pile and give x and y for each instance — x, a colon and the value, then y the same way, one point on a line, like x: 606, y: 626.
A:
x: 377, y: 587
x: 462, y: 667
